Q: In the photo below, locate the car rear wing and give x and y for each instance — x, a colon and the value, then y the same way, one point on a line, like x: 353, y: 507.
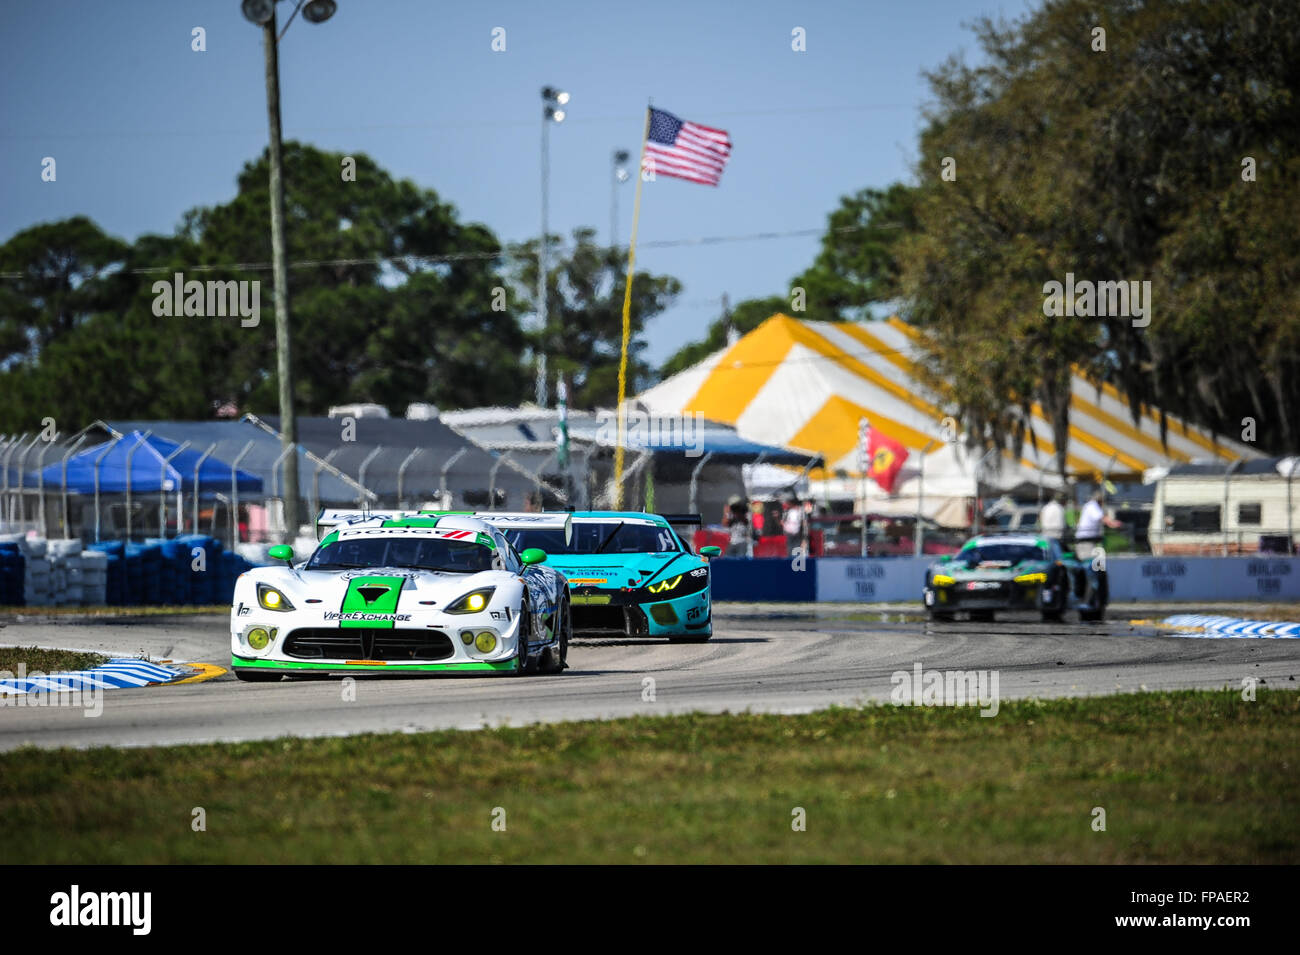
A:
x: 683, y: 518
x: 329, y: 519
x: 530, y: 520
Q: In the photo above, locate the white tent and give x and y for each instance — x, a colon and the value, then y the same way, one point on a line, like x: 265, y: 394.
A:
x: 806, y: 385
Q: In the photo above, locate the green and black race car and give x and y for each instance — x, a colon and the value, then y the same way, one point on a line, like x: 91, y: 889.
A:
x: 1015, y: 572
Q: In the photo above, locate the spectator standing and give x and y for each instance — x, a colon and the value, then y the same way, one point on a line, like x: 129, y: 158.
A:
x: 1093, y: 521
x: 792, y: 523
x: 736, y: 519
x: 1051, y: 519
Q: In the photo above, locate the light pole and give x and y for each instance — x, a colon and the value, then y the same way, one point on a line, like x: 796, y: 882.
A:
x: 553, y: 101
x: 262, y: 13
x: 620, y: 158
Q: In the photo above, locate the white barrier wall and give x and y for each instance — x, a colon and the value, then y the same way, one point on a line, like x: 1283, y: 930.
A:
x: 1203, y: 579
x: 856, y: 580
x: 1174, y: 579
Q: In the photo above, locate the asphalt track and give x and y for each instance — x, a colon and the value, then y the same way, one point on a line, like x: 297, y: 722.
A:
x: 762, y: 659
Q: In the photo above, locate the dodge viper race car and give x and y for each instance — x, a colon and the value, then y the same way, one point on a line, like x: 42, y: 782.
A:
x: 1015, y: 572
x: 401, y: 593
x: 629, y: 572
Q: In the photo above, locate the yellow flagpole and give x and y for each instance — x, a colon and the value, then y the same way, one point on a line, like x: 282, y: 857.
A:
x: 627, y: 323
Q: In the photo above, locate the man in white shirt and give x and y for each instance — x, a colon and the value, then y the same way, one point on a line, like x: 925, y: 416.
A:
x: 792, y: 524
x: 1093, y: 521
x: 1051, y: 519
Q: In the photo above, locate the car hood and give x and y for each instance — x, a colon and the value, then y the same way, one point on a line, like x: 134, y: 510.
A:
x: 333, y: 587
x: 962, y: 572
x: 616, y: 571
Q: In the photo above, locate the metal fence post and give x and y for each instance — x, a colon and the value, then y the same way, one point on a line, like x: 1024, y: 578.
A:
x: 233, y: 504
x: 9, y: 443
x: 129, y: 455
x: 492, y: 480
x: 315, y: 484
x: 442, y: 477
x: 40, y: 484
x: 361, y: 476
x: 22, y: 470
x: 64, y: 482
x: 114, y: 443
x: 695, y: 481
x: 197, y: 467
x: 162, y: 493
x: 401, y: 473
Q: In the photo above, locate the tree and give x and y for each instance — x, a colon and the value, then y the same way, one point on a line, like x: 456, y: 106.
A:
x: 583, y: 334
x: 393, y: 300
x: 857, y: 265
x: 1123, y: 165
x: 60, y: 274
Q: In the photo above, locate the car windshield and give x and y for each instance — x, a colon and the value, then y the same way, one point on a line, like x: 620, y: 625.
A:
x: 597, y: 537
x: 1000, y: 555
x: 420, y: 553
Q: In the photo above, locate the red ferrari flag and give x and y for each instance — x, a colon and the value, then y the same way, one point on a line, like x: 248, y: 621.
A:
x: 886, y: 458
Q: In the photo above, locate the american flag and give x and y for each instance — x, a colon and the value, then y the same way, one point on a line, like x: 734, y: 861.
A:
x: 685, y: 150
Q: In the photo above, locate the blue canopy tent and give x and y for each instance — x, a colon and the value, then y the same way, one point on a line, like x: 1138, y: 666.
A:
x: 144, y: 463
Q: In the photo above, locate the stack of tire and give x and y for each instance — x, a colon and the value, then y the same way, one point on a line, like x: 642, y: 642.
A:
x: 114, y: 571
x: 36, y: 576
x: 12, y: 572
x: 39, y: 573
x: 215, y: 582
x: 94, y: 578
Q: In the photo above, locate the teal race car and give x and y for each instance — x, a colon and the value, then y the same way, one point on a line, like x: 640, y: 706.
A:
x: 1015, y: 572
x: 629, y: 572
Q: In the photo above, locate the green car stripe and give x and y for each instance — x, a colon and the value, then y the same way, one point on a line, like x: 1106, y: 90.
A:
x: 478, y: 666
x: 371, y: 595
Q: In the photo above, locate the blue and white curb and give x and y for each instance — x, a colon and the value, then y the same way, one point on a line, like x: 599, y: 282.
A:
x: 113, y: 675
x: 1215, y: 626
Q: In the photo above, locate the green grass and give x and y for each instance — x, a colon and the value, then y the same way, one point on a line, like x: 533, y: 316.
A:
x: 1188, y: 777
x: 36, y: 659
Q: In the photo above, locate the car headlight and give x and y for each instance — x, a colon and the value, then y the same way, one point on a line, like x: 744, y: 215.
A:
x: 664, y: 585
x: 681, y: 585
x: 472, y: 602
x: 485, y: 642
x: 269, y: 598
x: 258, y: 638
x: 1031, y: 579
x: 942, y: 580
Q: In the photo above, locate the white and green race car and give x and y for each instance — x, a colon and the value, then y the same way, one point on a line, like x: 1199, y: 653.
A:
x: 401, y: 592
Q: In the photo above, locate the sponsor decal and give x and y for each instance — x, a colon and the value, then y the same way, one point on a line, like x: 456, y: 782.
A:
x: 371, y: 600
x: 359, y: 615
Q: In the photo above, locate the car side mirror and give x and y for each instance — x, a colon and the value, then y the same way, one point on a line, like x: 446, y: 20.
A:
x: 945, y: 558
x: 710, y: 551
x: 281, y: 552
x: 533, y: 555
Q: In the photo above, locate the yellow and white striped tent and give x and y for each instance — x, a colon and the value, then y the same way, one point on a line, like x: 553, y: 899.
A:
x: 806, y: 385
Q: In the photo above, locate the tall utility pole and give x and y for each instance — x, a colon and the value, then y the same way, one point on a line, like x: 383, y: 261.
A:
x: 552, y: 101
x: 620, y: 158
x: 262, y: 13
x: 280, y: 273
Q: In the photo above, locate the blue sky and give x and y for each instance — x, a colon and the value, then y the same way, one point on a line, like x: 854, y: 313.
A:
x: 143, y: 128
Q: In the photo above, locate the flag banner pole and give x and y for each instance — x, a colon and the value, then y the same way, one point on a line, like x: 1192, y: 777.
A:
x: 627, y: 322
